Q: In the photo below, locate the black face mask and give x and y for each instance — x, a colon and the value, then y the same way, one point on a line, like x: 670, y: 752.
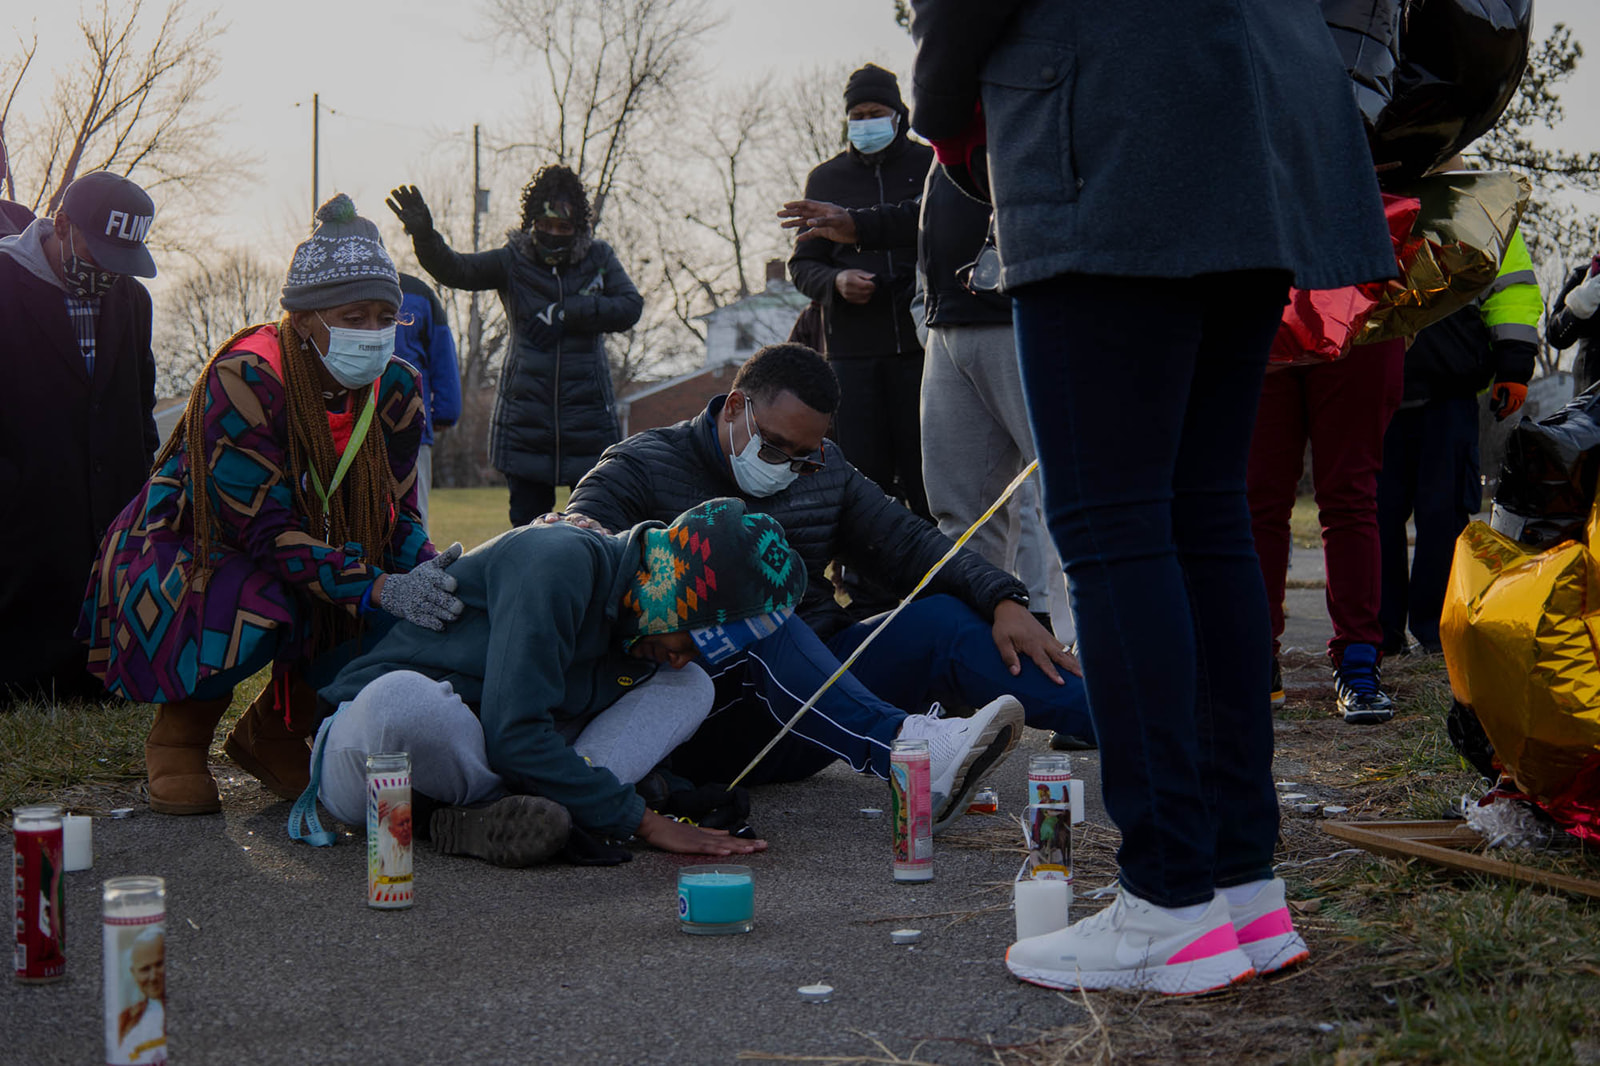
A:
x: 84, y: 280
x: 554, y: 247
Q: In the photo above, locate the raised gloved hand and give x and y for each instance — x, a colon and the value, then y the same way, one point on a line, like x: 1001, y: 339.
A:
x: 1506, y: 398
x: 425, y: 595
x: 1584, y: 300
x: 411, y: 209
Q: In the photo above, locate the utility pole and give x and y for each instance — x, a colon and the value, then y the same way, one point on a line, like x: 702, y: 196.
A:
x: 474, y: 318
x: 316, y: 145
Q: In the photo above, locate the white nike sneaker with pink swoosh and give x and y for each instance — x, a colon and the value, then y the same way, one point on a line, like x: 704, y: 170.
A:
x: 1266, y: 932
x: 1136, y: 945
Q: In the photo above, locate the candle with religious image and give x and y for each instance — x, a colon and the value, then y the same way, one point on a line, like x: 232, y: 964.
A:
x: 910, y: 788
x: 1048, y: 816
x: 389, y: 877
x: 134, y: 921
x: 38, y: 900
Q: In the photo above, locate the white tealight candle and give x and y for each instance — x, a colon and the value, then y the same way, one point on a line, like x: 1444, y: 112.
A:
x: 1041, y: 907
x: 77, y: 846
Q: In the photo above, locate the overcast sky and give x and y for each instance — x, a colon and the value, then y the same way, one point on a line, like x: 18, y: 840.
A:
x: 402, y: 75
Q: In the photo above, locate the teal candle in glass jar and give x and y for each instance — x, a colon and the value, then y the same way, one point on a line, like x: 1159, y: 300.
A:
x: 716, y: 900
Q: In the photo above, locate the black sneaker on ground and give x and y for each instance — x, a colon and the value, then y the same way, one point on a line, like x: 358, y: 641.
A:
x: 1060, y: 741
x: 515, y: 831
x: 1359, y: 685
x: 1277, y: 693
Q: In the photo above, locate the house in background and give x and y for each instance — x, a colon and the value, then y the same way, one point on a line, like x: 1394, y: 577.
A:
x: 733, y: 333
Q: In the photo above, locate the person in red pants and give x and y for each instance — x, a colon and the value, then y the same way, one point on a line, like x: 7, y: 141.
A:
x: 1343, y: 409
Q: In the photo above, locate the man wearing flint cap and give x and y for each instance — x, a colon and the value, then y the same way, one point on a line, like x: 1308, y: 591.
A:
x: 77, y: 426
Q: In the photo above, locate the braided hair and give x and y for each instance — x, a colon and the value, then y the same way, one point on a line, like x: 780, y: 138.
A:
x: 362, y: 510
x: 555, y: 184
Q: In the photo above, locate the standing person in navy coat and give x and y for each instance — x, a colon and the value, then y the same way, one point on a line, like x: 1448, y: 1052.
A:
x: 424, y: 341
x: 1147, y: 294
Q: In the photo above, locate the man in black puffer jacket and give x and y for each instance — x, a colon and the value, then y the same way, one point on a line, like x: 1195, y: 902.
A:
x: 865, y: 294
x: 964, y: 642
x: 562, y: 290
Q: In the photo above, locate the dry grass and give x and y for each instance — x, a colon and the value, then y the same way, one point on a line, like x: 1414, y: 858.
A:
x: 88, y: 757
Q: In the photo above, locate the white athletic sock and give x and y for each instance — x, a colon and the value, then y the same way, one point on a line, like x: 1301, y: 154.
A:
x: 1241, y: 895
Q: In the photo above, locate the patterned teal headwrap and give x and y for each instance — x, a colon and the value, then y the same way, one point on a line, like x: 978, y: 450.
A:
x: 714, y: 569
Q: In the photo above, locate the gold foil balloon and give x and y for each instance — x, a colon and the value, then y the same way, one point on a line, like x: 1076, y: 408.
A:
x: 1520, y: 632
x: 1457, y: 245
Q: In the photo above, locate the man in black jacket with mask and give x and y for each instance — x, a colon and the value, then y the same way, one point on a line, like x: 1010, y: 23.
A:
x: 969, y: 641
x: 866, y: 294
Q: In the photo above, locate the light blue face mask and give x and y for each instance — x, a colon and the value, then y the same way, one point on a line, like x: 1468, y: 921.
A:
x: 754, y: 474
x: 871, y: 135
x: 356, y: 357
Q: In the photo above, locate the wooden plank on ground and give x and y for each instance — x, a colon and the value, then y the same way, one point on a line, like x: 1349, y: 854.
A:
x: 1441, y: 843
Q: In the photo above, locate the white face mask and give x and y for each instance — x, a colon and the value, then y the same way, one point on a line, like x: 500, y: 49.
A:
x: 754, y: 474
x: 356, y: 357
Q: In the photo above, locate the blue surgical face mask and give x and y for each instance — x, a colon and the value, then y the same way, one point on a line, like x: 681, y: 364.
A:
x: 754, y: 474
x: 356, y: 357
x: 871, y: 135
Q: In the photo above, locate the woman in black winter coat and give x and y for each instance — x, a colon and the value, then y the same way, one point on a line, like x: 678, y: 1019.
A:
x: 561, y: 289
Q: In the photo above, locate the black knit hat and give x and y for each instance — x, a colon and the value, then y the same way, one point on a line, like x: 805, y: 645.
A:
x: 873, y: 84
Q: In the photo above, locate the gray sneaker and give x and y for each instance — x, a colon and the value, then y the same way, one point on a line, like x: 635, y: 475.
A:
x: 515, y: 831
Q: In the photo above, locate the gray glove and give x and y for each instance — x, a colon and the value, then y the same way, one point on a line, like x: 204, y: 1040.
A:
x: 424, y: 595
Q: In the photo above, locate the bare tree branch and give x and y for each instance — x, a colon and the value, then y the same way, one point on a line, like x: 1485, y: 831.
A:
x: 134, y: 102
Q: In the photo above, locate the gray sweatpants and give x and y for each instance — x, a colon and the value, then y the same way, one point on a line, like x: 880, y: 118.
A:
x: 406, y: 711
x: 975, y: 439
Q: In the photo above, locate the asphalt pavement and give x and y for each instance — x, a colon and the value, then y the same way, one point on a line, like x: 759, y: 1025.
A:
x: 273, y: 956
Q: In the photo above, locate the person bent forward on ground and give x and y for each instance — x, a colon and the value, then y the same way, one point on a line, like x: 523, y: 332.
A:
x: 297, y: 519
x: 968, y: 643
x: 553, y: 655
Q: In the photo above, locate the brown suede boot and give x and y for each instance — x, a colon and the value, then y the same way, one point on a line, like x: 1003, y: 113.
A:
x: 175, y: 757
x: 268, y: 750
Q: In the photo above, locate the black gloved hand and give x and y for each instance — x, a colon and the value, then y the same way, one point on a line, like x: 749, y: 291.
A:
x: 710, y: 806
x: 411, y: 209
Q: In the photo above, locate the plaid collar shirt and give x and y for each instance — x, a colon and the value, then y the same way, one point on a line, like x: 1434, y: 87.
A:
x: 84, y: 311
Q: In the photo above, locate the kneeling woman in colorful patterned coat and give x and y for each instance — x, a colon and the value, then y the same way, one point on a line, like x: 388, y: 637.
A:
x: 281, y: 516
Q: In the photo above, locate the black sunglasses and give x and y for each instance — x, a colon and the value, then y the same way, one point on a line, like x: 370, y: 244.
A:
x: 771, y: 453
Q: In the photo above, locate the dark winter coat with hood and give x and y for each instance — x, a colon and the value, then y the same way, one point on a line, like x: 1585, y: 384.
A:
x: 555, y: 412
x: 882, y: 325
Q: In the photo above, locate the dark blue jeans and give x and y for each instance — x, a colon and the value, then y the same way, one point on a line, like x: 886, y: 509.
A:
x: 1142, y: 393
x: 1430, y: 469
x: 938, y: 649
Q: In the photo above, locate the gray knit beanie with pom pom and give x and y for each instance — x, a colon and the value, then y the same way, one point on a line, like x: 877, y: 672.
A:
x: 341, y: 262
